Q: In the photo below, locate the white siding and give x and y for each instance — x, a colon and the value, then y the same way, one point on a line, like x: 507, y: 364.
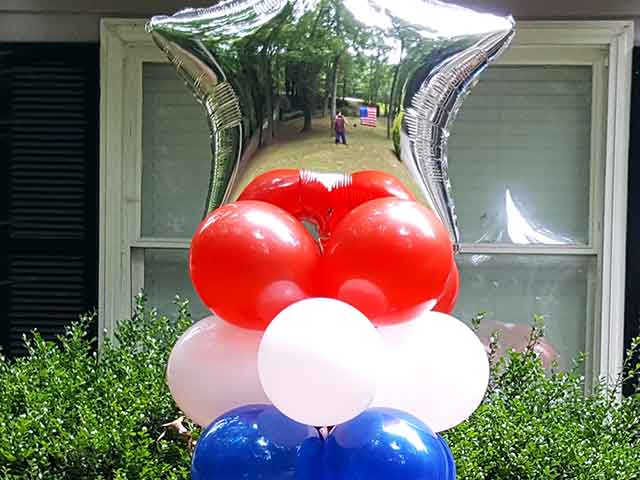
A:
x: 79, y: 20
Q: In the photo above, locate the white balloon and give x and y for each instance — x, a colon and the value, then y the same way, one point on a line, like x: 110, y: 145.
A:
x: 437, y: 370
x: 319, y: 361
x: 213, y: 369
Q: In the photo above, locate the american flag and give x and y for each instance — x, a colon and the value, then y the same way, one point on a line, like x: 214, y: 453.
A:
x: 371, y: 117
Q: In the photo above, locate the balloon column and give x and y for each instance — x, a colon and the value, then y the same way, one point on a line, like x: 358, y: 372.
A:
x: 331, y: 353
x: 347, y: 330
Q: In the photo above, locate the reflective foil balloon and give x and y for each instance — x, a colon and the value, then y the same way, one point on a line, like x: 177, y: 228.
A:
x: 257, y: 442
x: 385, y: 444
x: 213, y: 368
x: 332, y: 86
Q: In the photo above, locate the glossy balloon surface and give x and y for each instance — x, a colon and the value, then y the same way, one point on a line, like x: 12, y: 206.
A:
x: 213, y: 368
x: 425, y: 359
x: 385, y: 444
x: 323, y: 199
x: 451, y: 464
x: 447, y: 302
x: 319, y: 361
x: 267, y: 74
x: 257, y: 442
x: 249, y: 260
x: 388, y: 257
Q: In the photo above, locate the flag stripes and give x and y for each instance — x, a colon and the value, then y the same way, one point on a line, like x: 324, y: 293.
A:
x: 368, y: 116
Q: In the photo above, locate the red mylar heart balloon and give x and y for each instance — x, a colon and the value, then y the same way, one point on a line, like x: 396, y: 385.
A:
x: 447, y: 301
x: 322, y: 198
x: 249, y: 260
x: 387, y: 257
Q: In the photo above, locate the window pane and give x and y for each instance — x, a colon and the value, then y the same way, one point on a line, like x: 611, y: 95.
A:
x: 519, y: 156
x: 512, y: 288
x: 166, y: 273
x: 176, y: 155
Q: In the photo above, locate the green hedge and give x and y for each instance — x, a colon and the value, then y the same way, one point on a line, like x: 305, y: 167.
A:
x: 540, y: 425
x: 65, y: 414
x: 395, y: 132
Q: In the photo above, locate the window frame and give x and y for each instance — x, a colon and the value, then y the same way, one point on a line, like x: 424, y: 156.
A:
x: 606, y: 46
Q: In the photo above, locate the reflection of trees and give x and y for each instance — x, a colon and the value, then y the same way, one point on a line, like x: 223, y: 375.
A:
x: 309, y: 65
x: 407, y: 39
x: 421, y: 56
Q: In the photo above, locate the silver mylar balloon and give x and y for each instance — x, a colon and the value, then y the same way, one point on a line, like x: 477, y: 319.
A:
x: 268, y: 71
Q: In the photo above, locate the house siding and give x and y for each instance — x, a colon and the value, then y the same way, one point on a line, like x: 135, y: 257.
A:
x: 79, y: 20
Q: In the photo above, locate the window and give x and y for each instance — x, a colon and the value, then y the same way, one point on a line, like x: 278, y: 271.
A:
x: 160, y: 183
x: 535, y: 181
x: 537, y: 161
x: 526, y: 177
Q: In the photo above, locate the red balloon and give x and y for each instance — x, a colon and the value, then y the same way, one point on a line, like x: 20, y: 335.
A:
x: 387, y: 257
x: 447, y: 302
x: 366, y: 186
x: 322, y: 199
x: 250, y: 260
x: 372, y: 184
x: 278, y: 187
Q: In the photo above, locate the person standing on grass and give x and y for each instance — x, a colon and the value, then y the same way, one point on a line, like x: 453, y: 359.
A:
x: 340, y: 124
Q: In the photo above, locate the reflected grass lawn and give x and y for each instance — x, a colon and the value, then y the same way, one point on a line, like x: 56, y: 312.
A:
x: 367, y: 149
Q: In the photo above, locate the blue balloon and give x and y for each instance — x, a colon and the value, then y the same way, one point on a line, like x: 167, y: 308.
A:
x: 257, y: 442
x: 451, y: 464
x: 384, y: 444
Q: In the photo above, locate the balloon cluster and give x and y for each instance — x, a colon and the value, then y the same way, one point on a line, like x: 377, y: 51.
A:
x: 348, y: 330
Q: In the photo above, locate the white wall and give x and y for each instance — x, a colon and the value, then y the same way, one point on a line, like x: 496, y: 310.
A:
x: 78, y: 20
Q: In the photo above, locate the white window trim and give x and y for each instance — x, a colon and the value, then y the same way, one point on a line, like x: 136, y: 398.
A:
x: 125, y: 44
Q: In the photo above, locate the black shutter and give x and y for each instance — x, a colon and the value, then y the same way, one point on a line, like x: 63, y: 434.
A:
x: 49, y: 213
x: 632, y: 303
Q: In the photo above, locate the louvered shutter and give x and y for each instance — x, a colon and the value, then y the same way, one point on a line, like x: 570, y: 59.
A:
x: 49, y: 213
x: 632, y: 301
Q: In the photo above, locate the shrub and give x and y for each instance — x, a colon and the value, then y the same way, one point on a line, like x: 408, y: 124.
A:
x: 66, y: 414
x: 395, y: 133
x: 540, y: 425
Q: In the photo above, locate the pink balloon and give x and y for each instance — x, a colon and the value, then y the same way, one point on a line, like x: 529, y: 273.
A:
x: 213, y: 368
x: 516, y: 337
